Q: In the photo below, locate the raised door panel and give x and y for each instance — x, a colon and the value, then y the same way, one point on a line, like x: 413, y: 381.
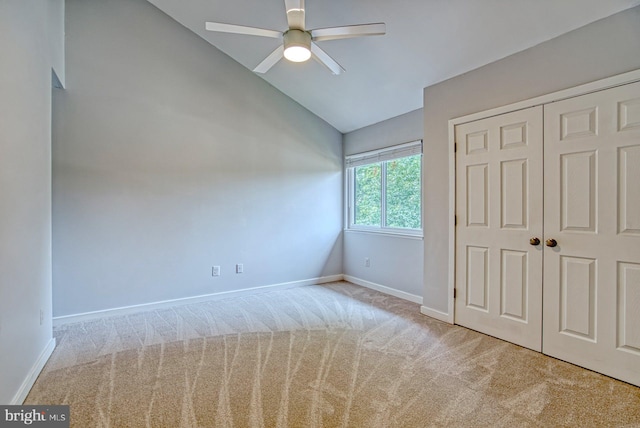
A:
x: 477, y: 281
x: 629, y: 190
x: 478, y: 195
x: 578, y: 193
x: 514, y: 194
x: 578, y: 284
x: 514, y: 285
x: 627, y: 305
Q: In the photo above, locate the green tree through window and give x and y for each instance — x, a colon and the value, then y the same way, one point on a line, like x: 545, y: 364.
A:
x: 368, y: 186
x: 403, y: 193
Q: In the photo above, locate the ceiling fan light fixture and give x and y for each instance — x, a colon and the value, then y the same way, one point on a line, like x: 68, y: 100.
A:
x: 297, y: 45
x: 297, y: 53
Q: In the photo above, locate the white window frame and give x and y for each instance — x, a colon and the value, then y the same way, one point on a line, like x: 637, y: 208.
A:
x: 376, y: 156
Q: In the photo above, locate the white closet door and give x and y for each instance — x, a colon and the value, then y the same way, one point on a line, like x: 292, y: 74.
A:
x: 592, y: 209
x: 499, y: 209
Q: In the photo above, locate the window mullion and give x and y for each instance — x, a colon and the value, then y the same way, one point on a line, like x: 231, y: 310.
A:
x: 383, y: 195
x: 352, y: 196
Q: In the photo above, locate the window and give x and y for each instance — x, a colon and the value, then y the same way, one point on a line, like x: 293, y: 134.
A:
x: 384, y: 190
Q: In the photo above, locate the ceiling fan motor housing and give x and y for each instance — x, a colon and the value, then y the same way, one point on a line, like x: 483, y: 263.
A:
x: 297, y: 39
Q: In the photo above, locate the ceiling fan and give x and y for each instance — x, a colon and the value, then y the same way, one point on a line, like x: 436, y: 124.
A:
x: 298, y: 42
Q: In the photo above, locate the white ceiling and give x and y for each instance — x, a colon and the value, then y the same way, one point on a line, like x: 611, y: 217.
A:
x: 427, y: 41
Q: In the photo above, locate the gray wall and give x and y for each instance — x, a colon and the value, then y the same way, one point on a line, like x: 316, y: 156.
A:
x: 169, y: 158
x: 25, y: 191
x: 607, y: 47
x: 396, y: 262
x: 56, y: 39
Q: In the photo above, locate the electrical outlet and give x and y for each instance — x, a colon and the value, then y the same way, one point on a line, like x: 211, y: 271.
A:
x: 239, y: 268
x: 215, y: 271
x: 367, y: 262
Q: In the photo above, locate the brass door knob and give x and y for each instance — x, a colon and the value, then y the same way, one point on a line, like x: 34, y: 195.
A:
x: 551, y: 242
x: 534, y: 241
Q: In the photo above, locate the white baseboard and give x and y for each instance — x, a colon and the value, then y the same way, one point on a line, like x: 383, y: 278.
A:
x: 433, y: 313
x: 384, y: 289
x: 88, y: 316
x: 28, y: 382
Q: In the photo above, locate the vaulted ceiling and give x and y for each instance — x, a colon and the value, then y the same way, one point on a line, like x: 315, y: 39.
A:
x: 427, y: 41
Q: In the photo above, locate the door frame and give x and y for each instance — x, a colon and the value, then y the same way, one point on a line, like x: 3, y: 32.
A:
x: 598, y: 85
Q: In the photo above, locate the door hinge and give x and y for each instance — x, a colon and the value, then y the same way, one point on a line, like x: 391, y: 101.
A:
x: 455, y: 292
x: 455, y: 147
x: 455, y: 220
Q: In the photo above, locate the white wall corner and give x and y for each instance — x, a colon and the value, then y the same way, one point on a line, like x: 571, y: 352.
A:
x: 55, y: 80
x: 384, y: 289
x: 28, y: 382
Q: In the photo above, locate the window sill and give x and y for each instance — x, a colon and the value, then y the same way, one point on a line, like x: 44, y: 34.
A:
x: 390, y: 232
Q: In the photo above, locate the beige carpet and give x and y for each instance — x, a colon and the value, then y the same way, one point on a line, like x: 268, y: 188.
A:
x: 336, y: 355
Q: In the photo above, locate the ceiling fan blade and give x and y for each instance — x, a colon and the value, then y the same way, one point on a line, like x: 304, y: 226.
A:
x: 349, y: 31
x: 270, y: 61
x: 323, y: 58
x: 241, y: 29
x: 295, y: 14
